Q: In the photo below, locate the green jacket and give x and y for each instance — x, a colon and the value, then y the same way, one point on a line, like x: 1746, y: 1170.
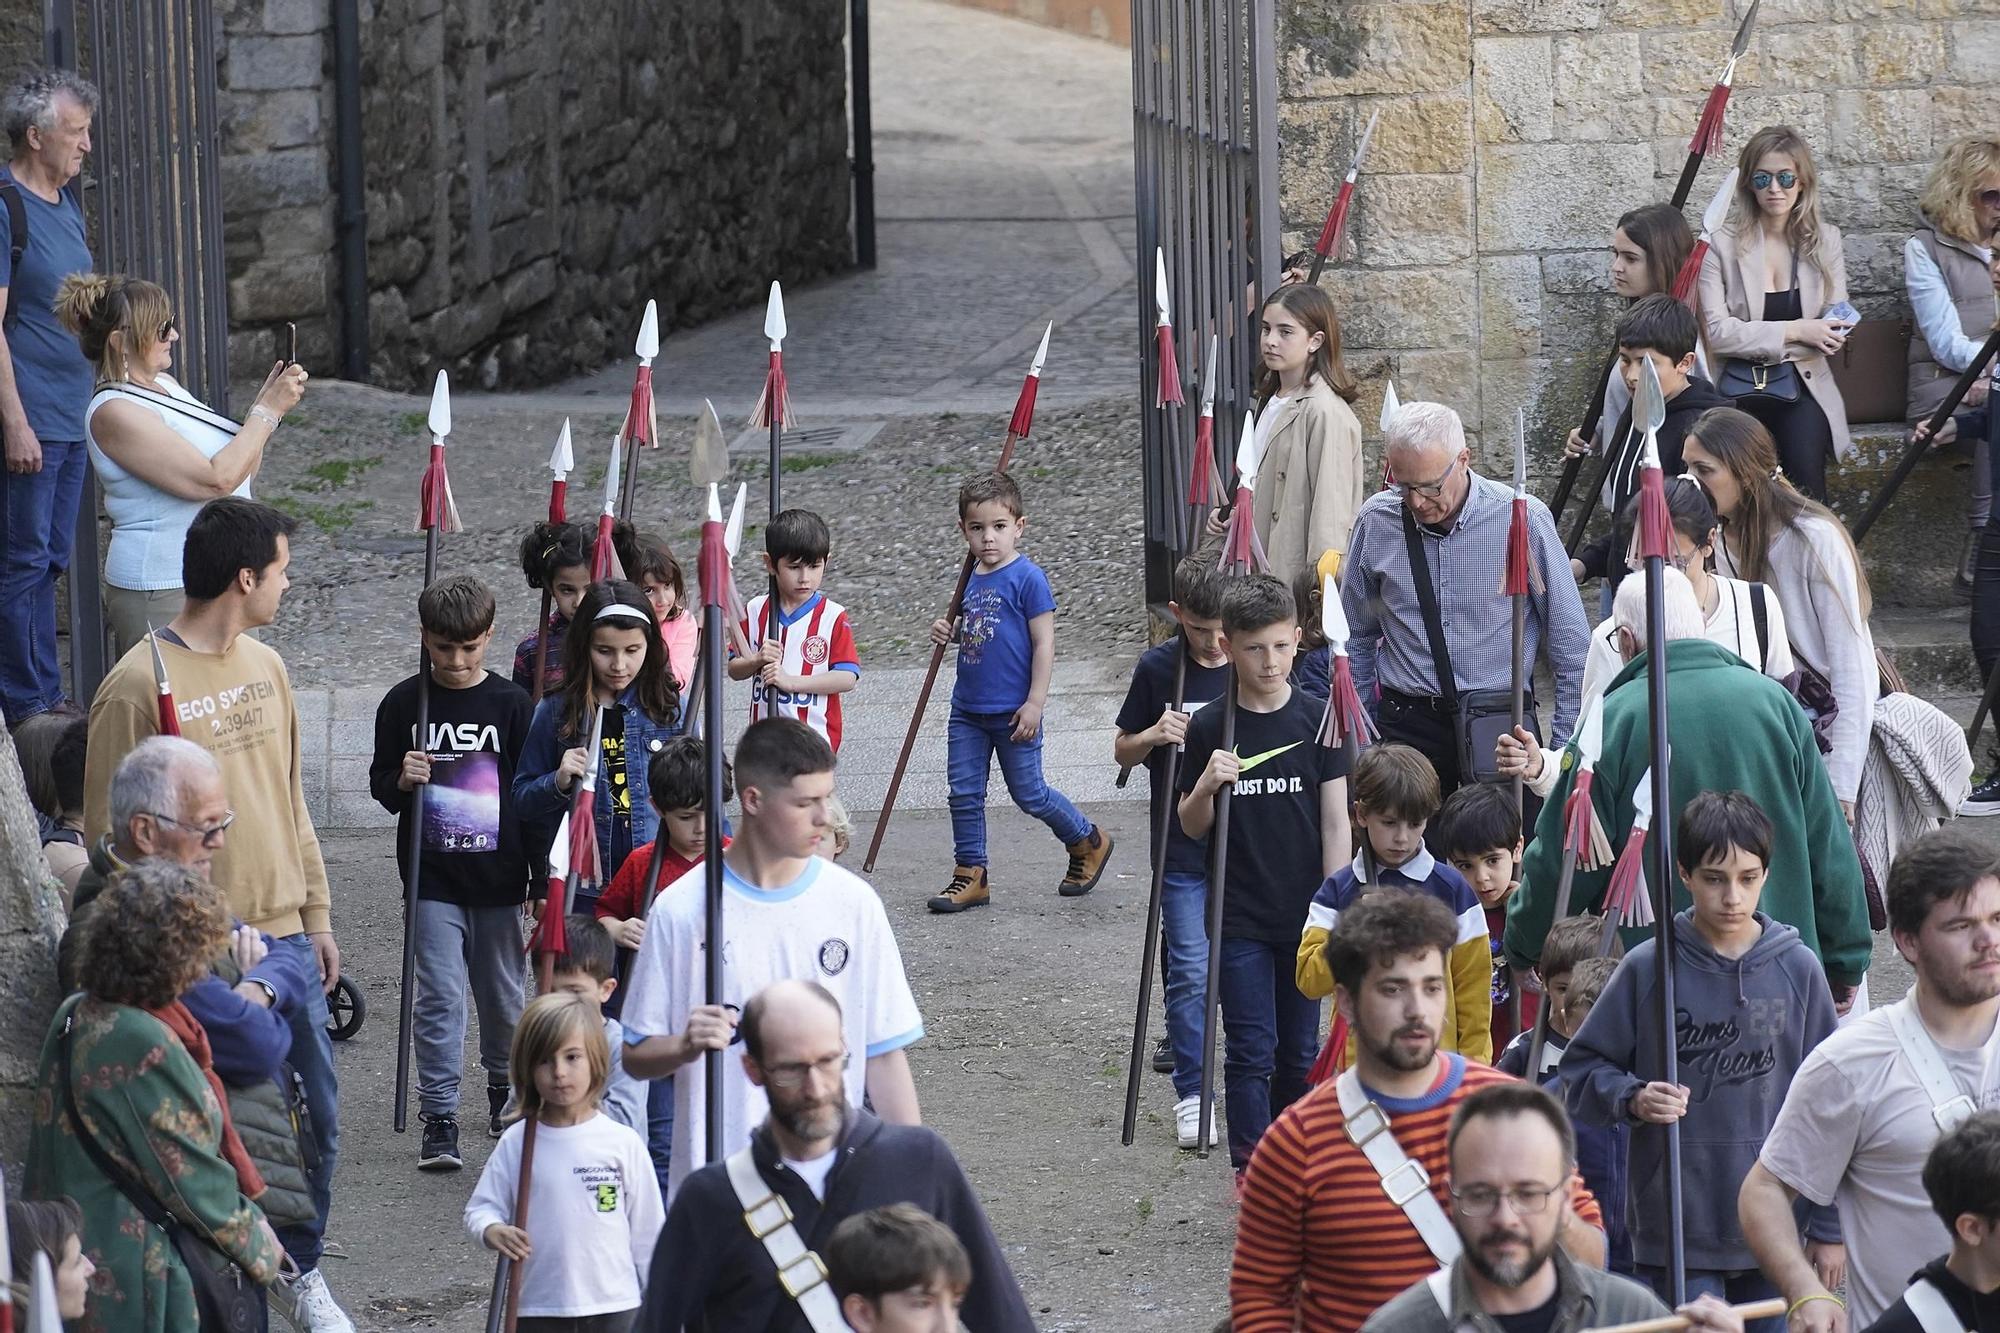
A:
x: 151, y: 1109
x: 1732, y: 729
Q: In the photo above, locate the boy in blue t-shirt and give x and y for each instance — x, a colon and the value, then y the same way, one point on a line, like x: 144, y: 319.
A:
x: 1006, y: 651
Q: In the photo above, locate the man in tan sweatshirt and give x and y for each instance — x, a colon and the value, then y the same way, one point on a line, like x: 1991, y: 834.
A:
x: 232, y: 697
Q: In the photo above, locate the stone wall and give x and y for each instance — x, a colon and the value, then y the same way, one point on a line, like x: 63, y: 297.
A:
x: 1514, y: 132
x: 30, y: 924
x: 535, y: 171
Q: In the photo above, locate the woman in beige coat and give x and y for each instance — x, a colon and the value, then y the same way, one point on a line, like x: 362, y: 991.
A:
x: 1769, y: 285
x: 1309, y: 485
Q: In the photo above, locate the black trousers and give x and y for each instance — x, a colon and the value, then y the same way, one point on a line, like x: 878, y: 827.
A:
x: 1805, y: 440
x: 1425, y: 725
x: 1986, y: 564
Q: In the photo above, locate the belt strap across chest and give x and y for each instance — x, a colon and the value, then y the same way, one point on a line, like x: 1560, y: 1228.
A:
x: 800, y: 1272
x: 1404, y: 1180
x: 1934, y: 1313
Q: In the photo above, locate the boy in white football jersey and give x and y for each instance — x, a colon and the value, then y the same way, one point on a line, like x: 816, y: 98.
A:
x: 802, y: 667
x: 788, y: 913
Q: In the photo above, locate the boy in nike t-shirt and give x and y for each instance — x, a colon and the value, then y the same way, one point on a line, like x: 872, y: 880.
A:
x: 1287, y: 832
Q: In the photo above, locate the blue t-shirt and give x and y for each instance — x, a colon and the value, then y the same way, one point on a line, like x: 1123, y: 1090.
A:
x: 995, y: 655
x: 49, y: 368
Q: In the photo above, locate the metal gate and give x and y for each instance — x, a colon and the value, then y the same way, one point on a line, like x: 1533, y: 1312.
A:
x: 154, y: 205
x: 1205, y: 178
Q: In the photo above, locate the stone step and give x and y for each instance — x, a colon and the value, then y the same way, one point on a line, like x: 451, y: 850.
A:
x: 1913, y: 550
x: 1930, y: 646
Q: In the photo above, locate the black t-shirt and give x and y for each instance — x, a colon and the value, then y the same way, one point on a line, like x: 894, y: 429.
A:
x: 473, y: 852
x: 1151, y: 691
x: 1274, y: 830
x: 1978, y: 1312
x: 1538, y: 1320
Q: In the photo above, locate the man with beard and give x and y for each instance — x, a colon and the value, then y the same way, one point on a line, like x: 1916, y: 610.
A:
x: 813, y: 1163
x: 1869, y: 1103
x: 1333, y: 1222
x: 1512, y: 1154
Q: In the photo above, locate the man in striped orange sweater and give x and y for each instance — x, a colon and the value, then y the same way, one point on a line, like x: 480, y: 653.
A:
x: 1319, y: 1243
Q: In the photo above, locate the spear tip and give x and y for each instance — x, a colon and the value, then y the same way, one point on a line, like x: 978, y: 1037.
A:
x: 648, y: 344
x: 774, y: 316
x: 1042, y: 352
x: 611, y: 473
x: 1743, y: 31
x: 1161, y: 300
x: 708, y: 461
x: 1208, y: 379
x: 440, y: 414
x: 562, y: 461
x: 732, y: 533
x: 1717, y: 211
x: 1391, y: 405
x: 1246, y: 450
x: 1520, y: 450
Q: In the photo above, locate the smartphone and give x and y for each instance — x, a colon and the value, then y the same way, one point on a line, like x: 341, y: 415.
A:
x: 1842, y: 311
x: 291, y: 344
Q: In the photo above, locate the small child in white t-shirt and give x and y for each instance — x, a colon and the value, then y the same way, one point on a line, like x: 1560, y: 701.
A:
x: 594, y: 1207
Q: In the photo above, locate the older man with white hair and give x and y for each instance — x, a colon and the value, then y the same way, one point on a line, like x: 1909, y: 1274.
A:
x: 1730, y: 728
x: 1422, y: 591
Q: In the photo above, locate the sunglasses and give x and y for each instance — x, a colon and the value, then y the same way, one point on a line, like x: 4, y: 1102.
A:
x: 1761, y: 180
x: 166, y: 330
x: 1990, y: 198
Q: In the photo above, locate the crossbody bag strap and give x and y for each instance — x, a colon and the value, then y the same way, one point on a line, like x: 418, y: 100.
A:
x: 1760, y: 619
x: 800, y: 1272
x: 193, y: 411
x: 1404, y: 1180
x: 17, y: 242
x: 1934, y: 1313
x: 1950, y: 1107
x: 1427, y: 602
x: 121, y: 1179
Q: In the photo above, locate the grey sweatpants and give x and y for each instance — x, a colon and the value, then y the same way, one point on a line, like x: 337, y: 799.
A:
x: 454, y: 944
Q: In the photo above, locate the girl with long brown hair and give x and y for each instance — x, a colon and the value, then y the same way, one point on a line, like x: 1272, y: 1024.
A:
x: 1309, y: 483
x: 1648, y: 247
x: 1773, y: 534
x: 1774, y: 305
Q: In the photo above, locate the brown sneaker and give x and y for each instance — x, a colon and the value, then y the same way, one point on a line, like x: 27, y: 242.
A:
x: 967, y: 889
x: 1087, y: 856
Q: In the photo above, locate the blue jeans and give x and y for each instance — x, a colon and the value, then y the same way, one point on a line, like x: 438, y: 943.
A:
x: 972, y: 739
x: 312, y: 1060
x: 1731, y: 1288
x: 1184, y: 926
x: 455, y: 943
x: 660, y: 1127
x: 37, y: 525
x: 1272, y: 1037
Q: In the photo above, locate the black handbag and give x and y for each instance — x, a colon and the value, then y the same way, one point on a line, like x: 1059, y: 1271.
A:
x: 1770, y: 383
x: 1479, y: 718
x: 225, y: 1299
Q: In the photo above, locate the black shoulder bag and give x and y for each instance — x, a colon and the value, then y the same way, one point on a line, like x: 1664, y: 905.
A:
x: 225, y: 1299
x: 1765, y: 383
x: 1479, y: 718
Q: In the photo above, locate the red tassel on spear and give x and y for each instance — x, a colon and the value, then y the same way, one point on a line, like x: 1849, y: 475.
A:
x: 1656, y: 522
x: 1024, y: 405
x: 1712, y: 218
x: 1345, y: 717
x: 1583, y: 831
x: 1333, y: 234
x: 1163, y: 333
x: 436, y: 510
x: 1242, y: 548
x: 170, y: 720
x: 1204, y: 478
x: 604, y: 562
x: 550, y: 939
x: 1708, y: 129
x: 776, y: 397
x: 1626, y: 902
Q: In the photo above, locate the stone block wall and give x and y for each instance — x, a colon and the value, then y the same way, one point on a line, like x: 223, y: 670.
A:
x: 535, y: 171
x: 1515, y: 132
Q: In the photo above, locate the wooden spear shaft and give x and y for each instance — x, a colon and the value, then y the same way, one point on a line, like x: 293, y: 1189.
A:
x: 1218, y: 866
x: 1659, y: 849
x: 413, y: 882
x: 1674, y: 1323
x: 1164, y: 799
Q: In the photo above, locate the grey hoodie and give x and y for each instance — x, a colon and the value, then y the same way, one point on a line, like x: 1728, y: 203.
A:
x: 1744, y: 1026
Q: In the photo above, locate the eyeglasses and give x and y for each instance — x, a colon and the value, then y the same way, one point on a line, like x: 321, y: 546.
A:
x: 1528, y: 1200
x: 1990, y: 198
x: 1430, y: 490
x: 210, y: 836
x: 793, y: 1076
x: 166, y: 330
x: 1761, y: 180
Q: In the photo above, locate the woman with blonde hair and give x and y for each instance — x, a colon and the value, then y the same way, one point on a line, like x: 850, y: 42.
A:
x: 1774, y: 306
x: 1945, y: 264
x: 159, y: 451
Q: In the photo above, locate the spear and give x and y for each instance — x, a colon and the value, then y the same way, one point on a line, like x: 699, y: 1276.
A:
x: 561, y: 463
x: 1163, y: 334
x: 1334, y: 232
x: 1712, y: 219
x: 1345, y: 720
x: 1242, y: 554
x: 6, y: 1263
x: 170, y: 719
x: 642, y: 425
x: 1583, y: 843
x: 709, y: 455
x: 436, y: 513
x: 774, y: 409
x: 710, y: 466
x: 1919, y: 443
x: 1649, y: 409
x: 604, y: 563
x: 1017, y: 430
x: 1708, y: 130
x: 44, y: 1311
x: 1205, y: 478
x: 1520, y: 577
x: 1391, y: 405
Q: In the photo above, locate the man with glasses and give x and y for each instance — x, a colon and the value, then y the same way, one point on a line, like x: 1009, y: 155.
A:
x: 1345, y: 1204
x: 233, y: 698
x: 813, y: 1163
x: 1512, y: 1152
x: 1449, y: 525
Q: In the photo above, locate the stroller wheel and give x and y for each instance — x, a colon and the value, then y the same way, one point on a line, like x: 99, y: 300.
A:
x: 345, y: 1010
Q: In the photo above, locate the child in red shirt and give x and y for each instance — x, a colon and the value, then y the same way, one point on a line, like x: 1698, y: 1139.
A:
x: 677, y: 779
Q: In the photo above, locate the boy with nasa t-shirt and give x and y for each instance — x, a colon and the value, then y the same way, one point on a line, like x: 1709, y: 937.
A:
x: 788, y: 914
x: 475, y: 865
x: 802, y: 669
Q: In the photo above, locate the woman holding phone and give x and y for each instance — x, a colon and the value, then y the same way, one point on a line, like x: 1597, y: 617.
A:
x: 1774, y: 305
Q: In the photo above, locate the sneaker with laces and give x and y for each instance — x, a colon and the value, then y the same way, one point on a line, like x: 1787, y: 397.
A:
x: 1187, y: 1123
x: 440, y: 1148
x: 308, y: 1305
x: 1087, y: 856
x: 968, y: 888
x: 1163, y: 1056
x: 496, y: 1107
x: 1985, y: 798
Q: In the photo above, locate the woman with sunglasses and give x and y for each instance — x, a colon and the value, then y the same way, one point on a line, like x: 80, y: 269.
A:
x: 159, y: 451
x: 1945, y: 267
x: 1774, y: 305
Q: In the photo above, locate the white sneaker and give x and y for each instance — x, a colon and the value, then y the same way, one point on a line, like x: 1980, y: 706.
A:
x: 309, y: 1305
x: 1187, y: 1122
